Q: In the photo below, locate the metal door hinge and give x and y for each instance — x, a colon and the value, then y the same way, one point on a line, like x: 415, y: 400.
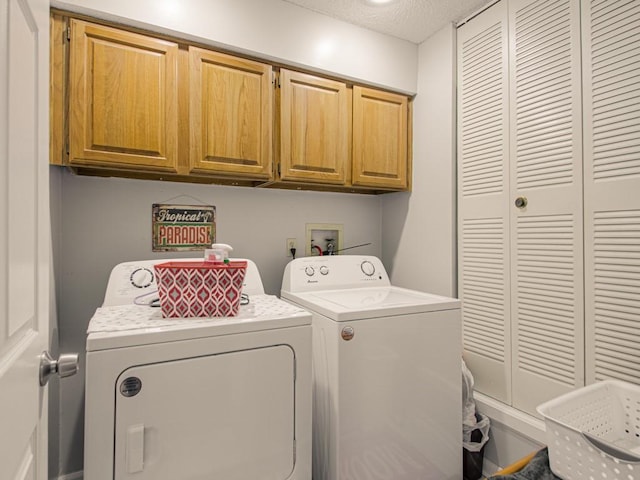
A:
x: 68, y: 33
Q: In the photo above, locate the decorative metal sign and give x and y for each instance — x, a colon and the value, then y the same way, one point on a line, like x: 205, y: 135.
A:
x: 183, y: 227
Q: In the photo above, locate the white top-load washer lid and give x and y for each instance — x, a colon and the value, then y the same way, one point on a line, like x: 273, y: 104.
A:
x: 126, y: 319
x: 375, y: 302
x: 351, y: 287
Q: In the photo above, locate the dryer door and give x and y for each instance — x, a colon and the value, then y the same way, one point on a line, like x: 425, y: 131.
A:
x: 227, y: 416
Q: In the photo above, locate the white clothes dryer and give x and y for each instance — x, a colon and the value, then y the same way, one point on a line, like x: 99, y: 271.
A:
x: 386, y: 365
x: 197, y: 398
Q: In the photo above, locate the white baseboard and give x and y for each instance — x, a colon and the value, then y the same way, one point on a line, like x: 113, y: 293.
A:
x: 72, y: 476
x: 489, y: 468
x: 513, y: 434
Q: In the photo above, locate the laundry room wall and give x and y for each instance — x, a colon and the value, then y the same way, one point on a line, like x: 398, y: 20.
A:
x: 103, y: 221
x: 418, y: 230
x: 273, y: 30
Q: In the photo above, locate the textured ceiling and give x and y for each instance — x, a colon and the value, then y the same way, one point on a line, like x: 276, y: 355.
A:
x: 412, y: 20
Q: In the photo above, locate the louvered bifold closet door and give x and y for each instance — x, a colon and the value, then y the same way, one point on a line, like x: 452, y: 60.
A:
x: 546, y: 243
x: 483, y: 213
x: 611, y: 71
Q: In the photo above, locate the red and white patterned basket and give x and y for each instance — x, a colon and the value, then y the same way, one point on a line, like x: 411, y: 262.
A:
x: 200, y: 289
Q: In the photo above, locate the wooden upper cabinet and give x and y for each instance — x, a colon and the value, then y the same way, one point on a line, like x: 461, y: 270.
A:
x: 231, y: 108
x: 380, y: 139
x: 314, y: 129
x: 136, y: 105
x: 123, y: 99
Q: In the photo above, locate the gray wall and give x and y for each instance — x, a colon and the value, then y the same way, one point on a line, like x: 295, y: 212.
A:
x: 54, y: 383
x: 104, y: 221
x: 418, y: 228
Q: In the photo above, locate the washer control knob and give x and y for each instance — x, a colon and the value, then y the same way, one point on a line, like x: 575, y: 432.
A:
x: 324, y: 270
x: 367, y: 268
x: 309, y: 271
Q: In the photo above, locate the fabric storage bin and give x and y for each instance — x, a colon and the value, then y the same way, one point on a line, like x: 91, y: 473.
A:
x: 594, y: 432
x: 200, y: 289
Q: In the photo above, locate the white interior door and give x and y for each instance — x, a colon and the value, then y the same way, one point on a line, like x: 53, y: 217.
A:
x: 483, y: 199
x: 24, y: 236
x: 545, y: 202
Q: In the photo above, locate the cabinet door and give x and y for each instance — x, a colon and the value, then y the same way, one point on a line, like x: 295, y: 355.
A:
x: 380, y: 139
x: 230, y: 115
x: 123, y: 99
x: 314, y: 129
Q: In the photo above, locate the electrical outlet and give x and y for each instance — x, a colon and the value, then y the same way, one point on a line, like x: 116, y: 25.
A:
x: 291, y: 243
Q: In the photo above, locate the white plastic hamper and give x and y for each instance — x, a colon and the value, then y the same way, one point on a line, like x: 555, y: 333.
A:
x: 594, y: 432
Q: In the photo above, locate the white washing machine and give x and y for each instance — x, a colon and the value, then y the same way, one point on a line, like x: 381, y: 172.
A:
x: 386, y: 365
x: 194, y: 399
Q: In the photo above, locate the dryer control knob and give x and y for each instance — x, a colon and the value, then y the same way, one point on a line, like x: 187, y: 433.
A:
x: 324, y: 270
x: 367, y: 268
x: 309, y: 271
x: 141, y: 277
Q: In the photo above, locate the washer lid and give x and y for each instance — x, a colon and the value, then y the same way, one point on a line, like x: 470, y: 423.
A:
x: 131, y: 325
x: 362, y: 303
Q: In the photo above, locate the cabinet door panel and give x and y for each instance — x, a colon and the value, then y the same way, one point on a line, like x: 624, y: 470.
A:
x: 230, y: 115
x: 314, y: 129
x: 123, y: 99
x: 380, y: 138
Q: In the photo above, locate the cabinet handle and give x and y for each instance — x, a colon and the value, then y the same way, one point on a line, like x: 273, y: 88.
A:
x: 521, y: 202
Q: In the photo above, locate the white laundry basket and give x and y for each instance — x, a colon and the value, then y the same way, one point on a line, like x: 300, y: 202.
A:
x: 594, y: 432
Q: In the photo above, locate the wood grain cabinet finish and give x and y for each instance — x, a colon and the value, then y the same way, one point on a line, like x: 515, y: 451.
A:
x: 314, y: 129
x: 123, y: 99
x: 231, y: 109
x: 380, y: 139
x: 138, y: 106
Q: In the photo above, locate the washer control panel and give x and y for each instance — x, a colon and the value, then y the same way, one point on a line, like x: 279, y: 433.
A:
x: 334, y: 272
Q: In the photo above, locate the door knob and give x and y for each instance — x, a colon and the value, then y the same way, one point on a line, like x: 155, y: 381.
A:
x: 65, y: 366
x: 521, y: 202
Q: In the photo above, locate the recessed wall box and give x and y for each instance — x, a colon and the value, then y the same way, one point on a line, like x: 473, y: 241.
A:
x: 323, y: 238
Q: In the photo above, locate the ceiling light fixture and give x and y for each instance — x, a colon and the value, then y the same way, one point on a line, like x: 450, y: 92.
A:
x: 378, y: 2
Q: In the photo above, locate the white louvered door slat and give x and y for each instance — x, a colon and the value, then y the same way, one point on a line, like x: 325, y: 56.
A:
x: 546, y: 242
x: 611, y: 62
x: 483, y: 222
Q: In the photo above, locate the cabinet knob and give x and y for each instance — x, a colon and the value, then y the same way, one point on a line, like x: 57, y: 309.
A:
x: 521, y: 202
